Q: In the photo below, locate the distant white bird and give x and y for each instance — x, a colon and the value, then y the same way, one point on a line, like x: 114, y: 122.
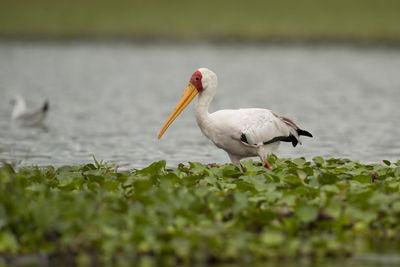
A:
x: 242, y: 132
x: 22, y: 116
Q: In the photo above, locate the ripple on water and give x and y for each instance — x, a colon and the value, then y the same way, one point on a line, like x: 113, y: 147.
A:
x: 111, y: 100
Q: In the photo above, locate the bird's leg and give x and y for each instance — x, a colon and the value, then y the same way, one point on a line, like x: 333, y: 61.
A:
x: 243, y: 168
x: 266, y: 163
x: 263, y: 156
x: 236, y: 160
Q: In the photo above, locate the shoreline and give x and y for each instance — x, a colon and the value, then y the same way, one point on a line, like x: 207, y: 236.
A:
x: 286, y: 42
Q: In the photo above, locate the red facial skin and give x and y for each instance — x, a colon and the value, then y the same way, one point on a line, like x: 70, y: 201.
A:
x: 196, y: 81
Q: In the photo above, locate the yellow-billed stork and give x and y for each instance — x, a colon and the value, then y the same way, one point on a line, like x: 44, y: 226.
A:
x: 240, y: 132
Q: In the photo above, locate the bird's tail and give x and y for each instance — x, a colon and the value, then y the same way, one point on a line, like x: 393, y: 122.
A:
x: 45, y: 106
x: 304, y: 132
x: 295, y: 131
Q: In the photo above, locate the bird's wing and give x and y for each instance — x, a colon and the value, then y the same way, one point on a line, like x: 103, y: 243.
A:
x: 262, y: 126
x: 255, y: 127
x: 34, y: 117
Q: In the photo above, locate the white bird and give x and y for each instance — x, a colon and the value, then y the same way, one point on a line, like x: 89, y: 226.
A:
x: 24, y: 117
x: 240, y: 132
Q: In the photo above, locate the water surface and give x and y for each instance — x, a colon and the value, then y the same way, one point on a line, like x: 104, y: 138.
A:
x: 110, y: 100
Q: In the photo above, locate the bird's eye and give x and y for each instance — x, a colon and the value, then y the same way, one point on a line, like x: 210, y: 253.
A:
x: 197, y: 78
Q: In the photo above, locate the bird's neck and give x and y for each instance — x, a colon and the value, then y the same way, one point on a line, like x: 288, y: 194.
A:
x: 201, y: 110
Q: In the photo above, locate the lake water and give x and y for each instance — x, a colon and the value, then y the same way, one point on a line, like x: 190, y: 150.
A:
x: 111, y: 99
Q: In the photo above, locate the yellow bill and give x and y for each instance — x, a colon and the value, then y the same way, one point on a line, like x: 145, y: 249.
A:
x: 187, y: 96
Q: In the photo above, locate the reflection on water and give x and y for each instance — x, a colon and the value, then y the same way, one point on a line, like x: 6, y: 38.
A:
x: 110, y: 100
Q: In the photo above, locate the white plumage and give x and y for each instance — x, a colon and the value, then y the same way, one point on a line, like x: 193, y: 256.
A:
x: 242, y: 132
x: 24, y: 117
x: 257, y: 125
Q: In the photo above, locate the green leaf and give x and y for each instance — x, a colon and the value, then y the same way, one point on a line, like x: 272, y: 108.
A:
x: 334, y: 208
x: 197, y: 168
x: 231, y: 171
x: 98, y: 165
x: 307, y: 213
x: 330, y: 188
x: 299, y: 161
x: 293, y: 180
x: 318, y: 160
x: 8, y: 242
x: 327, y: 178
x: 272, y: 238
x: 259, y: 181
x: 142, y: 185
x: 250, y: 167
x: 364, y: 179
x: 397, y: 172
x: 396, y: 206
x: 7, y: 167
x: 89, y: 167
x: 154, y: 169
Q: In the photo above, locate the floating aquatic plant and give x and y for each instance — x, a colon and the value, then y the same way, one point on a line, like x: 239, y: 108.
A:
x: 201, y: 213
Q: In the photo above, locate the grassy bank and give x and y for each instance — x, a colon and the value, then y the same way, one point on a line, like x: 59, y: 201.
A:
x: 200, y: 213
x: 253, y: 20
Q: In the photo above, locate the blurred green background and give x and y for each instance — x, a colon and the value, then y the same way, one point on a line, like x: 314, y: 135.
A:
x: 250, y: 20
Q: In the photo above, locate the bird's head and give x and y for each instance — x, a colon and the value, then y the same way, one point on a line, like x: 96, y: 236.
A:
x: 17, y: 100
x: 203, y: 79
x: 203, y: 82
